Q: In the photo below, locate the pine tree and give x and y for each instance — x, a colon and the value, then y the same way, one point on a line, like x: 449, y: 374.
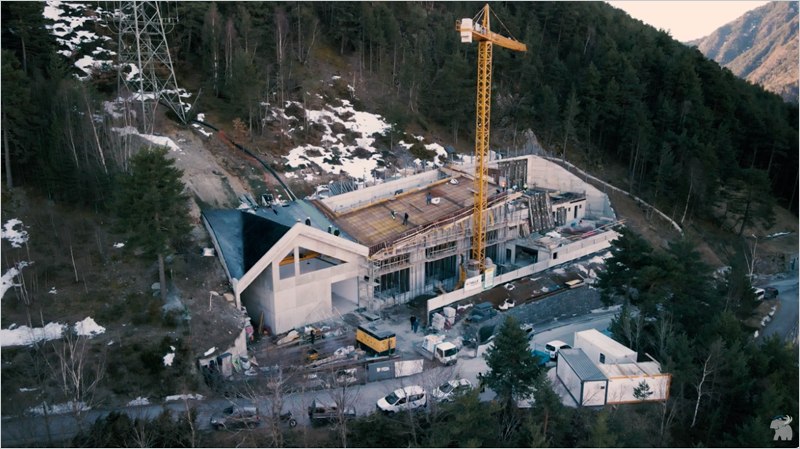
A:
x: 151, y: 205
x: 14, y: 108
x: 513, y: 367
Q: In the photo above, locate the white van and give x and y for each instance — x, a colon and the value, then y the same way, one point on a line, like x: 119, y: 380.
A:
x: 554, y: 346
x: 408, y: 398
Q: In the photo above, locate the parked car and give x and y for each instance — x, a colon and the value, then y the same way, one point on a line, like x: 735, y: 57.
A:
x: 236, y: 417
x: 759, y: 293
x: 408, y: 398
x: 528, y: 330
x: 323, y: 411
x: 554, y: 346
x: 770, y: 292
x: 446, y: 391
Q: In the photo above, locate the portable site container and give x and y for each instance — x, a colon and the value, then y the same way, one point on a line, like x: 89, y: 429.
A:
x: 602, y: 349
x: 623, y: 381
x: 375, y: 339
x: 586, y: 384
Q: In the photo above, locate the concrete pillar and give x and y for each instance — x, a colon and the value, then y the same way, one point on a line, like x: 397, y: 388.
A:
x: 276, y: 273
x: 296, y: 261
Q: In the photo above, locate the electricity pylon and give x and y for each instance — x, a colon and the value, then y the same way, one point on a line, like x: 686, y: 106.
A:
x: 143, y: 47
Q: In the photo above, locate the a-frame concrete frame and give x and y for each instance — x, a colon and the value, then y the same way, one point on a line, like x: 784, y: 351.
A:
x: 302, y: 298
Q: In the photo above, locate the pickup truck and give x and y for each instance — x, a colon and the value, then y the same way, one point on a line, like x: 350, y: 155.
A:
x: 432, y: 348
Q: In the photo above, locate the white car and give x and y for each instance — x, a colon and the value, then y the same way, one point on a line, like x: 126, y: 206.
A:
x: 554, y: 346
x: 447, y: 390
x: 408, y: 398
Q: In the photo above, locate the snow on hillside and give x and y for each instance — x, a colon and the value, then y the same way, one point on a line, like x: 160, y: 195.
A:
x: 25, y: 336
x: 363, y: 123
x: 70, y: 21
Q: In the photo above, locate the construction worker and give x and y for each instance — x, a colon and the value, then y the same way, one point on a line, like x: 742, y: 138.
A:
x: 330, y: 229
x: 525, y: 186
x: 313, y: 337
x: 428, y: 198
x: 405, y: 219
x: 308, y: 221
x: 393, y: 215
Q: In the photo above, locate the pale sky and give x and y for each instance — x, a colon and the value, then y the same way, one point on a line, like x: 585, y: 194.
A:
x: 687, y: 20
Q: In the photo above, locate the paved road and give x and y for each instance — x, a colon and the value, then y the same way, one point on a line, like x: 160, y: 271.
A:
x: 19, y: 431
x: 789, y: 296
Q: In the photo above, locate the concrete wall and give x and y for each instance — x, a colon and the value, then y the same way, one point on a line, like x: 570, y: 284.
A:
x: 567, y: 253
x: 347, y: 288
x: 620, y: 389
x: 259, y: 297
x: 304, y: 298
x: 543, y: 173
x: 356, y: 198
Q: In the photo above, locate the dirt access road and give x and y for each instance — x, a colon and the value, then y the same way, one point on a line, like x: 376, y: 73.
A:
x: 207, y: 181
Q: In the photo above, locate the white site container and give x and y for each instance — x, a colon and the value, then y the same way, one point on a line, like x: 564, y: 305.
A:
x: 583, y: 380
x: 603, y: 350
x: 449, y: 312
x: 624, y: 380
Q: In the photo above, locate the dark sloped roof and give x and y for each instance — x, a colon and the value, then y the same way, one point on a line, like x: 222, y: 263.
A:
x: 581, y: 364
x: 243, y: 237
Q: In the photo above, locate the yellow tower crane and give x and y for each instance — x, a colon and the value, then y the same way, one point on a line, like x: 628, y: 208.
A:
x: 477, y: 29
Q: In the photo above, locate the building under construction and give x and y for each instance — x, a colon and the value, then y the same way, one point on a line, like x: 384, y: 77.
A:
x: 405, y: 238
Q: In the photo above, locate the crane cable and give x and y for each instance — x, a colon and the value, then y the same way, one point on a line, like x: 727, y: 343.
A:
x: 503, y: 25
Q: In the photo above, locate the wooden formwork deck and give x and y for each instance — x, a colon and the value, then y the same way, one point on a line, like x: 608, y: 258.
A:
x: 373, y: 224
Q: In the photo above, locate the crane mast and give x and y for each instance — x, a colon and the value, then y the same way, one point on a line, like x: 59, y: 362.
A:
x: 478, y: 29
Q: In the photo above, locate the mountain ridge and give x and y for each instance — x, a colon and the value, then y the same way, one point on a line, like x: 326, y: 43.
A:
x: 760, y: 46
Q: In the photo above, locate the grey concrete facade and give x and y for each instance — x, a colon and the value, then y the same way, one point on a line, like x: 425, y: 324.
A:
x: 304, y: 293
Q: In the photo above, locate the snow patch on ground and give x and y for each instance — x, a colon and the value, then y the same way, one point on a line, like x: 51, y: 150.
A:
x: 88, y: 328
x: 162, y: 141
x: 181, y: 397
x: 169, y: 358
x: 601, y: 259
x: 26, y: 390
x: 200, y: 129
x: 58, y: 409
x: 610, y: 309
x: 13, y: 232
x: 138, y: 401
x: 364, y: 123
x: 24, y: 335
x: 559, y: 271
x: 8, y: 280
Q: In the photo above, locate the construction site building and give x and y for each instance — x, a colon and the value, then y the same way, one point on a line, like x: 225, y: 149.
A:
x: 302, y: 262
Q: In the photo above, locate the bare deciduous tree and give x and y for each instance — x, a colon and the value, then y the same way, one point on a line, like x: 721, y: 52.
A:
x: 77, y: 375
x: 711, y: 364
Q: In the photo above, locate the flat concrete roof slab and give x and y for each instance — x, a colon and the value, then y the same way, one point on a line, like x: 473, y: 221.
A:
x: 373, y: 224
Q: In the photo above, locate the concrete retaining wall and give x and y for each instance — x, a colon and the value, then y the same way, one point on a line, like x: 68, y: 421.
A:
x: 576, y: 250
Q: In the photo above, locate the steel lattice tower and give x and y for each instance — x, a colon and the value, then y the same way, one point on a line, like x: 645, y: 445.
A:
x: 143, y: 47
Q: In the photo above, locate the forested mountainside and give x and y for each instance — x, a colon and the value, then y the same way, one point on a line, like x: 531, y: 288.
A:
x: 595, y: 82
x: 602, y: 89
x: 760, y: 46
